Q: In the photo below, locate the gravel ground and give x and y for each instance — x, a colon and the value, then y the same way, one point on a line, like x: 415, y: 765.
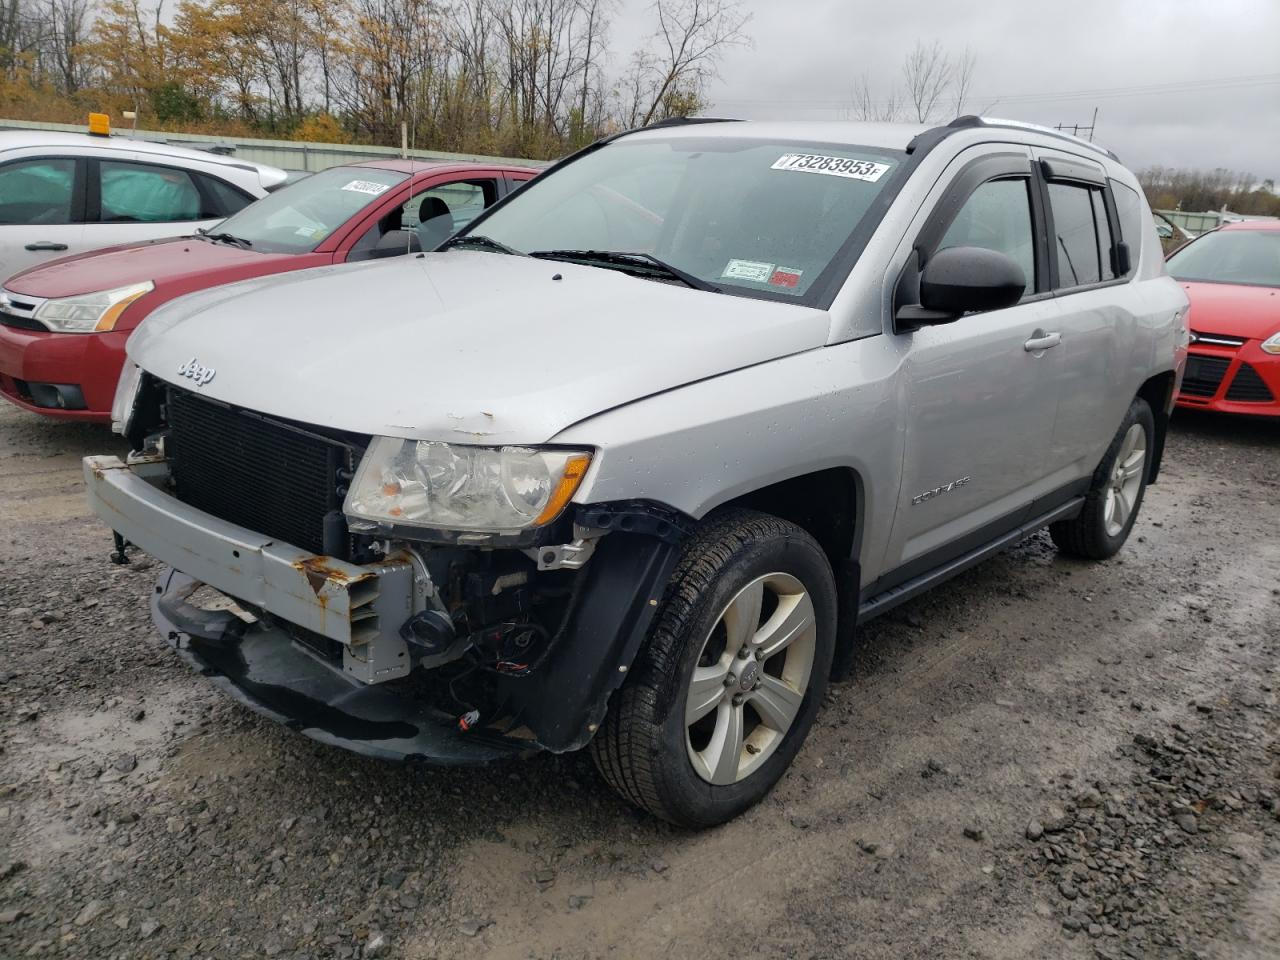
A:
x: 1041, y: 759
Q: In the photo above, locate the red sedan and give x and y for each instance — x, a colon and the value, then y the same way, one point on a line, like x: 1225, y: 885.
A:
x: 1232, y: 276
x: 63, y: 324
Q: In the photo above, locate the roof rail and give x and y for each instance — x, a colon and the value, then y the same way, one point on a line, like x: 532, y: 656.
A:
x: 969, y: 121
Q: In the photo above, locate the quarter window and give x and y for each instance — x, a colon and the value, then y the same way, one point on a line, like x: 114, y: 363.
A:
x: 226, y: 198
x: 37, y: 191
x: 997, y: 216
x: 1082, y: 234
x: 143, y: 193
x: 1104, y: 235
x: 1129, y: 210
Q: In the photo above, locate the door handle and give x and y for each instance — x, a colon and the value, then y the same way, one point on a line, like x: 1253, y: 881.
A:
x: 46, y: 245
x: 1042, y: 341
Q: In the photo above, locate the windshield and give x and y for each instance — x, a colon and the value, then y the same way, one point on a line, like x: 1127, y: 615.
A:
x: 297, y: 218
x: 1249, y: 257
x: 753, y: 217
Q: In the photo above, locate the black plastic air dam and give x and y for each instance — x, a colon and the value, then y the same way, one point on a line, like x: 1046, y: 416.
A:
x: 564, y: 701
x: 558, y: 707
x: 263, y: 669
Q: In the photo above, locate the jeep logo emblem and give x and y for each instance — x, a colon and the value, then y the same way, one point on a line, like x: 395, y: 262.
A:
x: 193, y: 371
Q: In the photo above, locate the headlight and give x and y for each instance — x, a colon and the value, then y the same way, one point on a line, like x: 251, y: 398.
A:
x: 446, y: 486
x: 1272, y: 343
x: 90, y: 312
x: 126, y: 395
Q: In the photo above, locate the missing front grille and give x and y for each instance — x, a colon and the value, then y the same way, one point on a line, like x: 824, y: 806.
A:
x: 269, y: 476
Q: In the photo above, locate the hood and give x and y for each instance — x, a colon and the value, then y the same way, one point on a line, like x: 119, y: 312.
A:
x: 172, y: 260
x: 465, y: 345
x: 1234, y: 309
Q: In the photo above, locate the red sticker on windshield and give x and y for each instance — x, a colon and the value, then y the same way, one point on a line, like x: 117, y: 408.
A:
x: 786, y: 277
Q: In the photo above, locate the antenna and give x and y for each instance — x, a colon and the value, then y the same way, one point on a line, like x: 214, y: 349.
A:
x: 1079, y: 129
x: 413, y: 113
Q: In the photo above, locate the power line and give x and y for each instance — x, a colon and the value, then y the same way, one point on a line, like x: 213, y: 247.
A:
x: 1102, y: 93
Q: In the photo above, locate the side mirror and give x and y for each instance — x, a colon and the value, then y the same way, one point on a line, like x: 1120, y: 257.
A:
x: 962, y: 280
x: 396, y: 243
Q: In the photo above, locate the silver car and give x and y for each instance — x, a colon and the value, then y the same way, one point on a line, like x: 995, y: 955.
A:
x: 626, y: 463
x: 66, y: 193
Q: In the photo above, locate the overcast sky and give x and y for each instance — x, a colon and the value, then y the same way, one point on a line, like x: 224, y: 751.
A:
x: 807, y: 54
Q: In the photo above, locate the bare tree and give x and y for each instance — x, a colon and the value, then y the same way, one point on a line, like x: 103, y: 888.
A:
x: 934, y: 82
x: 962, y: 70
x: 21, y: 32
x: 867, y: 107
x: 65, y: 25
x: 927, y: 74
x: 596, y: 12
x: 691, y: 37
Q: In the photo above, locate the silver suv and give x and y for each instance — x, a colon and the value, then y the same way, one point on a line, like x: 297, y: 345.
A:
x: 627, y: 462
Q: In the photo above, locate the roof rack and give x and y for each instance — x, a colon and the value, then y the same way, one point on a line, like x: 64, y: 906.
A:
x: 682, y: 121
x: 969, y: 121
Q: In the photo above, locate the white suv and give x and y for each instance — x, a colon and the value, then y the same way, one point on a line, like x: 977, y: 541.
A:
x: 65, y: 193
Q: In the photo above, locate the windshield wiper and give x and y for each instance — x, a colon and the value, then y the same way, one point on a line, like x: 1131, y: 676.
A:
x: 477, y: 240
x: 642, y: 264
x: 227, y: 238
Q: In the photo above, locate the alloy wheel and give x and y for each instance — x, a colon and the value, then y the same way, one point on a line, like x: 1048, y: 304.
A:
x: 750, y: 679
x: 1126, y: 480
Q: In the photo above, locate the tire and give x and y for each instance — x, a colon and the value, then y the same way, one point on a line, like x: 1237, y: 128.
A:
x: 646, y: 750
x: 1119, y: 484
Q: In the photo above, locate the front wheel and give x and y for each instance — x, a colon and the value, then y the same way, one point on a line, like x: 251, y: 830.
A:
x: 1115, y: 495
x: 726, y: 688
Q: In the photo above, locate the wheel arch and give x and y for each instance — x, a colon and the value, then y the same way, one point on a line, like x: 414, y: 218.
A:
x: 829, y: 504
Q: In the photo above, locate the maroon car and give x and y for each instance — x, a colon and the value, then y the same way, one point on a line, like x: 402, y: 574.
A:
x: 63, y: 324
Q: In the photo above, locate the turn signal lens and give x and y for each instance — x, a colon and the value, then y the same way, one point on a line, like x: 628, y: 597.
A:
x: 574, y: 471
x: 112, y: 314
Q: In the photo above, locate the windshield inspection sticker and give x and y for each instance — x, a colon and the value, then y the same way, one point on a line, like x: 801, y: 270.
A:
x: 366, y: 186
x: 867, y: 170
x: 785, y: 277
x: 748, y: 270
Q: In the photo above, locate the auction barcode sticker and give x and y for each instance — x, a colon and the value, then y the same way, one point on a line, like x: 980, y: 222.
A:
x: 868, y: 170
x: 367, y: 186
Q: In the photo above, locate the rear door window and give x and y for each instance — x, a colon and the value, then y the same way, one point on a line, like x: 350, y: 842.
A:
x: 1082, y: 234
x: 146, y: 193
x: 37, y: 191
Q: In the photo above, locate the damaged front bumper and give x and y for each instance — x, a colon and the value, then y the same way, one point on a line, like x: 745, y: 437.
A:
x: 263, y: 668
x: 360, y: 607
x: 368, y: 703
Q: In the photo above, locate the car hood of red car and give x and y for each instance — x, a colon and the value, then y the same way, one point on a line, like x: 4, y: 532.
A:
x: 173, y: 260
x: 1234, y: 309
